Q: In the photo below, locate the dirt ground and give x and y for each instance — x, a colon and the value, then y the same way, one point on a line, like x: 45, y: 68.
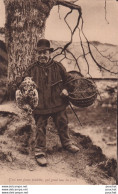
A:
x: 94, y: 164
x: 100, y: 124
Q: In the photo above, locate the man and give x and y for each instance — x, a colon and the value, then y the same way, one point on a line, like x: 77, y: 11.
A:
x: 52, y: 80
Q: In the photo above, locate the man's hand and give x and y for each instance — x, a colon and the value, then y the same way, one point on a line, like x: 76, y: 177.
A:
x: 64, y: 93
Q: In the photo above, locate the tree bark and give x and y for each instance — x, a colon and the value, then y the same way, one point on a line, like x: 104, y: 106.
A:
x: 25, y: 25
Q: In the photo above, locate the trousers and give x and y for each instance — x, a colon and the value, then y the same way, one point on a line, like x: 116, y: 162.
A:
x: 61, y: 122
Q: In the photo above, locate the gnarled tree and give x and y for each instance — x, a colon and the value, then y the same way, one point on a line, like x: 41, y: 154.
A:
x: 25, y: 25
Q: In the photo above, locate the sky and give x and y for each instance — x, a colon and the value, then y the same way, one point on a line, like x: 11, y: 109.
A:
x: 96, y: 27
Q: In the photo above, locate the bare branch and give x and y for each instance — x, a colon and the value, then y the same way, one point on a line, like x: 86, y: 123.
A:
x: 59, y: 12
x: 91, y: 54
x: 84, y: 52
x: 74, y: 59
x: 70, y: 4
x: 106, y: 12
x: 100, y: 66
x: 83, y: 55
x: 63, y: 52
x: 108, y: 58
x: 72, y: 32
x: 72, y: 7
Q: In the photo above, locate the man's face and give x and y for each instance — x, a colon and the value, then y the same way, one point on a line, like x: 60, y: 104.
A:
x: 43, y: 56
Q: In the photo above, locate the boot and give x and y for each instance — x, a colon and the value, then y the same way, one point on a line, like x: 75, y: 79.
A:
x: 72, y: 148
x: 41, y: 160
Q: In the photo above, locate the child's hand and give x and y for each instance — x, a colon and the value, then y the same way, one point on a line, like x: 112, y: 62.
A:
x: 27, y: 108
x: 64, y: 93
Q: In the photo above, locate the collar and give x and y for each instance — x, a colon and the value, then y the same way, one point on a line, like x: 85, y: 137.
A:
x: 50, y: 62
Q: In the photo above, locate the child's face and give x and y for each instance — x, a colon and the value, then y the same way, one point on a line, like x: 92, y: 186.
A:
x: 43, y: 56
x: 26, y: 88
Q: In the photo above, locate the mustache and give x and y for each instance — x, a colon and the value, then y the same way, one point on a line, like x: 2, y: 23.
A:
x: 43, y: 58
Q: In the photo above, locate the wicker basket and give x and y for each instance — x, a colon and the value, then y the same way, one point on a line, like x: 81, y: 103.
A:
x: 82, y: 91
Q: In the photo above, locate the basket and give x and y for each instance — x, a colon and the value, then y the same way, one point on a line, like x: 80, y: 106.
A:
x: 82, y: 91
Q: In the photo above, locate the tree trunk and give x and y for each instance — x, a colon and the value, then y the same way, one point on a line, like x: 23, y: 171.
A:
x: 25, y: 25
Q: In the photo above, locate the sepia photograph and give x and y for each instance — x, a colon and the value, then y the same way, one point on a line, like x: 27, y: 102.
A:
x: 58, y: 92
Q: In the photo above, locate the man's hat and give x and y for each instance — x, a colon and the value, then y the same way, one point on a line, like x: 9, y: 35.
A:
x: 44, y: 44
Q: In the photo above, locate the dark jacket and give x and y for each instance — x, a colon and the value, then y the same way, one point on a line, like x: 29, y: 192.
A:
x: 50, y: 79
